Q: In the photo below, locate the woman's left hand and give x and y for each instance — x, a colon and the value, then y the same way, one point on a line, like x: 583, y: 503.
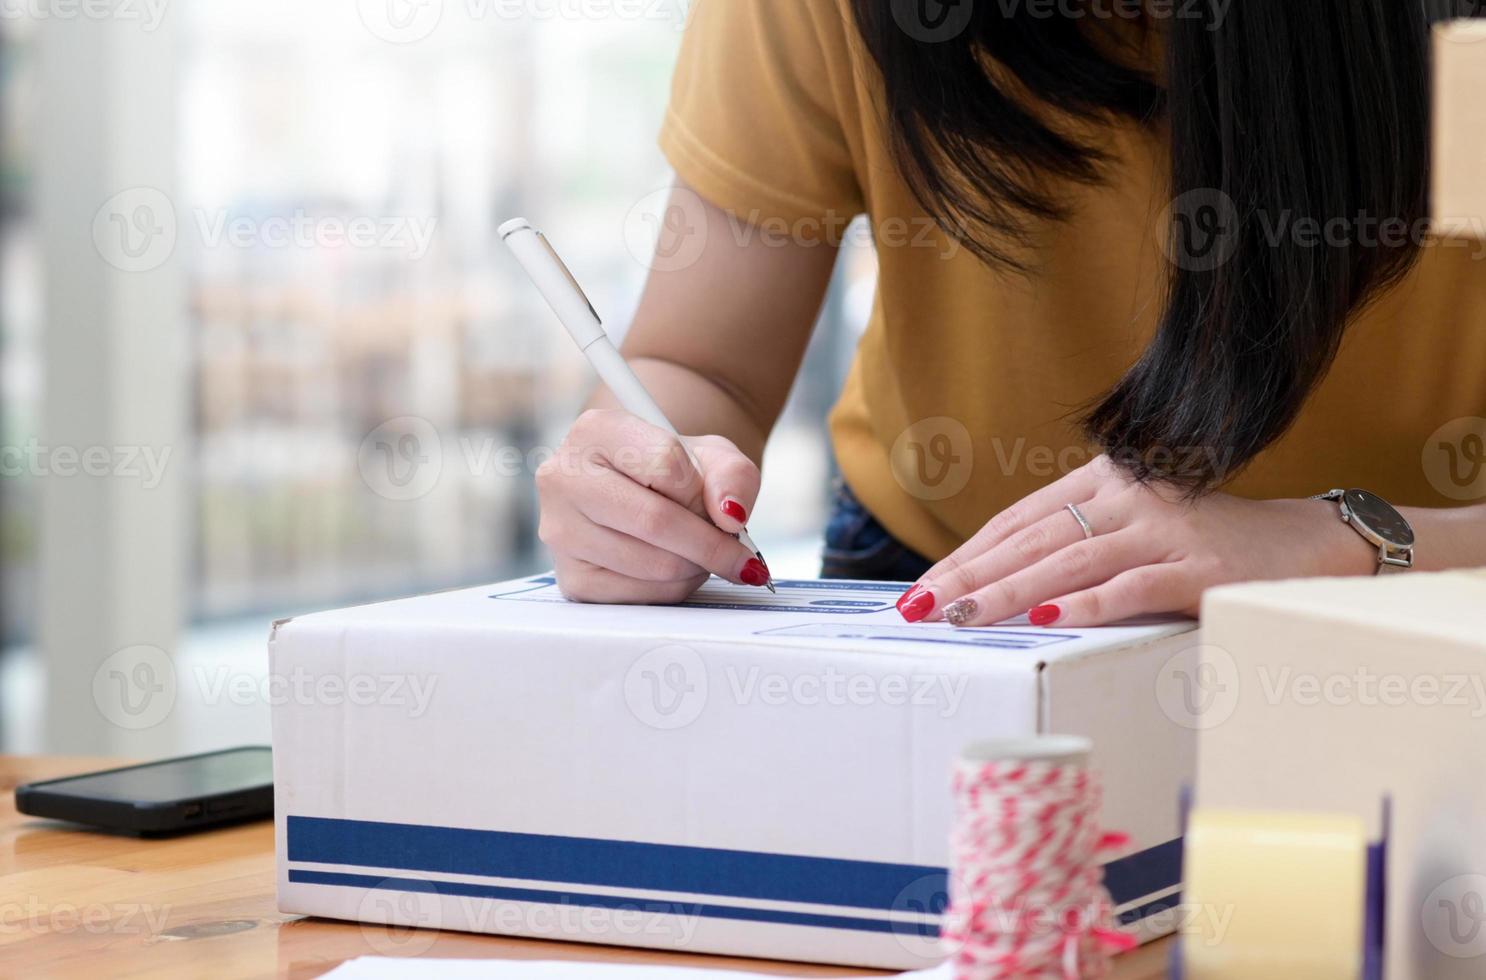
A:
x: 1152, y: 552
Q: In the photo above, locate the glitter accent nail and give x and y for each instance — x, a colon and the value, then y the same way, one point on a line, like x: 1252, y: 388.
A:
x: 961, y: 611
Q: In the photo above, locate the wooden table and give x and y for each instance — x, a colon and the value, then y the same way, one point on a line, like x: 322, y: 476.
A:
x: 74, y: 903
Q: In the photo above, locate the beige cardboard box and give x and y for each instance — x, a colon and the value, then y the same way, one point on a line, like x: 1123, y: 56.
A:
x: 1327, y: 695
x: 1460, y: 129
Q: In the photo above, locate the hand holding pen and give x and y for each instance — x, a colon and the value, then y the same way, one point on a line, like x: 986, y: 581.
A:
x: 659, y: 512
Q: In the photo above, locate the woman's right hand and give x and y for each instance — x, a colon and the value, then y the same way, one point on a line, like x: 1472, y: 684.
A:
x: 629, y: 520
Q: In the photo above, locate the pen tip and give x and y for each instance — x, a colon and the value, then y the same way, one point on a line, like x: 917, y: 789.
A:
x: 769, y: 581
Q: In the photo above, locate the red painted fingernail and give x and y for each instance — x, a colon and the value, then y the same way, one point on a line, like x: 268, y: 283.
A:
x: 1045, y: 615
x: 734, y: 510
x: 754, y: 573
x: 917, y: 607
x: 905, y: 597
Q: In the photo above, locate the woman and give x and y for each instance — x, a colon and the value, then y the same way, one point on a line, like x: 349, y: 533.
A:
x: 1162, y: 262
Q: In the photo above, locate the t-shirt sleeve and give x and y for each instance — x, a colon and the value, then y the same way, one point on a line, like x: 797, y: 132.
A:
x: 755, y: 119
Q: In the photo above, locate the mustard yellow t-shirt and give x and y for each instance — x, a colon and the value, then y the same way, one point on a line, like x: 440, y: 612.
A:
x: 968, y: 384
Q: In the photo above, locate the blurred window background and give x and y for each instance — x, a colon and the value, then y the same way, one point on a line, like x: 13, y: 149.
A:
x: 370, y: 380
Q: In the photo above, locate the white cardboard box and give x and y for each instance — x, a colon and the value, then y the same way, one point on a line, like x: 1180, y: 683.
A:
x: 1328, y: 695
x: 745, y: 774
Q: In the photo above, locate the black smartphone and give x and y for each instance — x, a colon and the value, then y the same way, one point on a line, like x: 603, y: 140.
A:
x: 166, y: 797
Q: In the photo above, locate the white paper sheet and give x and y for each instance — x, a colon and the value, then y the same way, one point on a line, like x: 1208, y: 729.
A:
x: 393, y: 968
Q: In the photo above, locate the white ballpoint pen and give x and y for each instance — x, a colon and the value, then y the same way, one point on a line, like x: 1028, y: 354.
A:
x: 567, y: 299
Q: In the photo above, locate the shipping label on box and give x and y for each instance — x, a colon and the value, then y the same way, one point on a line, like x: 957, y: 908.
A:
x: 746, y: 773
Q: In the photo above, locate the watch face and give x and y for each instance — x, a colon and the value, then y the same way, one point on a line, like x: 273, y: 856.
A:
x: 1372, y: 513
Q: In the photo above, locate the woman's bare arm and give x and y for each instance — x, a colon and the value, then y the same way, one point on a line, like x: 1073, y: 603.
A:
x: 717, y: 340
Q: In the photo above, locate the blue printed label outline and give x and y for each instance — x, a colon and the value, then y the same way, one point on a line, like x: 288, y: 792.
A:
x: 760, y: 602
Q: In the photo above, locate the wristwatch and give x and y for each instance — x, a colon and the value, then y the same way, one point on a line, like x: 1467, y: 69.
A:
x: 1380, y: 525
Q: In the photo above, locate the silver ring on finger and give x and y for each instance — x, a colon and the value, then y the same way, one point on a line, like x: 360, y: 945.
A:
x: 1083, y: 521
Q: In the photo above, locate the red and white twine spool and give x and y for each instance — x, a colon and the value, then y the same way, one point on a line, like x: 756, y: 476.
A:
x: 1027, y: 896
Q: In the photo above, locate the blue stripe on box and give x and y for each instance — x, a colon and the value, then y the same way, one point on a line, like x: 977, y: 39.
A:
x: 1166, y: 903
x: 904, y: 888
x: 425, y: 886
x: 1145, y: 872
x: 613, y: 864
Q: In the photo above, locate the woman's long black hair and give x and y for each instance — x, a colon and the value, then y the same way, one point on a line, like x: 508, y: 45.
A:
x: 1277, y: 111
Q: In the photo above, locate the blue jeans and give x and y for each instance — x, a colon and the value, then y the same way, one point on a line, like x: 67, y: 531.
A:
x: 858, y: 547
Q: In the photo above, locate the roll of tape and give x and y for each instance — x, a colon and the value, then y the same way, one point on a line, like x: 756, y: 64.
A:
x: 1274, y: 895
